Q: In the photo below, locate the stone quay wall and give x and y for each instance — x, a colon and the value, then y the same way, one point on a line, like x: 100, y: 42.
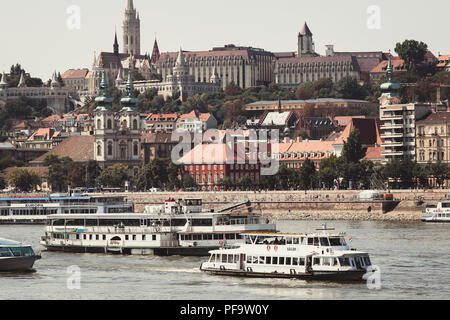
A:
x: 310, y: 205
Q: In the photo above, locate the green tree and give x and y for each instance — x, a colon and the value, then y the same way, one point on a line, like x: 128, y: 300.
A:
x: 328, y: 172
x: 307, y: 175
x: 188, y: 181
x: 114, y: 176
x: 353, y: 150
x: 440, y: 171
x: 2, y: 183
x: 412, y: 52
x: 25, y: 180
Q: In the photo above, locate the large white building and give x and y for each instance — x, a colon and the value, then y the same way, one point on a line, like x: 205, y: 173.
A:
x: 57, y: 97
x: 398, y: 121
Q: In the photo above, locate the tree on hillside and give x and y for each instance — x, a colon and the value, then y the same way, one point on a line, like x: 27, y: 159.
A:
x: 115, y: 176
x: 412, y: 52
x: 353, y: 150
x: 24, y: 180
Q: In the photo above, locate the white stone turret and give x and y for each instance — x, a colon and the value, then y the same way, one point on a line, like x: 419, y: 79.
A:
x: 3, y: 82
x: 22, y: 83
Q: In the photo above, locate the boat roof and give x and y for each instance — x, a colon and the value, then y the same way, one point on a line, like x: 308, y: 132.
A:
x: 274, y: 234
x: 9, y: 243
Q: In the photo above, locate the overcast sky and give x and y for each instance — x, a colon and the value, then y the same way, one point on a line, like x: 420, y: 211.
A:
x: 36, y: 33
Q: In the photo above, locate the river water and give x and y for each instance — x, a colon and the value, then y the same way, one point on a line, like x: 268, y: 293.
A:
x: 413, y: 259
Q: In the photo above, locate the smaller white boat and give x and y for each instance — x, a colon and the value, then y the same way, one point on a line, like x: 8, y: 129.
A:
x: 16, y: 257
x: 437, y: 213
x: 313, y: 256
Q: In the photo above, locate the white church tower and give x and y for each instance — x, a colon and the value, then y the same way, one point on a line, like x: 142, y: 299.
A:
x: 131, y: 31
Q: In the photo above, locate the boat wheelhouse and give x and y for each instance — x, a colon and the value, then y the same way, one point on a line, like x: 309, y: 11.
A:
x: 34, y: 210
x: 16, y: 257
x: 437, y: 213
x: 176, y: 228
x: 311, y: 256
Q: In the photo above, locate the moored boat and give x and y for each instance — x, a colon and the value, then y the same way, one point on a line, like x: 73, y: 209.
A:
x: 16, y: 257
x: 308, y: 256
x: 176, y: 228
x: 437, y: 213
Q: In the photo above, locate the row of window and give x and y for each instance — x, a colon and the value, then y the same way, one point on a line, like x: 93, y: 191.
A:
x: 210, y: 236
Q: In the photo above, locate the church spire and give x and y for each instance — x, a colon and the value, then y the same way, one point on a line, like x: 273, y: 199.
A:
x: 130, y: 5
x: 116, y: 44
x: 129, y: 101
x: 155, y: 53
x: 103, y: 101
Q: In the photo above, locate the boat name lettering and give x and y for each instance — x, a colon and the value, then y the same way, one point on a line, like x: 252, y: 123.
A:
x: 291, y: 249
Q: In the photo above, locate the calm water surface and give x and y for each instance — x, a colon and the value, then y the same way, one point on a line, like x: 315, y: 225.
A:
x: 413, y: 258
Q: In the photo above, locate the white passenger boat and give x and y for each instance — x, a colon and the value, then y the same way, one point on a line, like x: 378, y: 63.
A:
x: 16, y: 257
x: 314, y: 256
x: 178, y: 228
x: 437, y: 213
x: 34, y: 210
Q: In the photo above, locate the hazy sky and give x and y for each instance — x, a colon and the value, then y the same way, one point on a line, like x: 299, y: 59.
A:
x: 35, y: 33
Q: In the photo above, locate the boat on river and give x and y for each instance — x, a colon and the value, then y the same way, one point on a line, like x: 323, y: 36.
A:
x: 437, y: 213
x: 309, y: 256
x: 179, y: 227
x: 16, y: 256
x: 35, y: 210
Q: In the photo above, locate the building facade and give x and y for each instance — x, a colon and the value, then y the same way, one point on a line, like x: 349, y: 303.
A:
x: 57, y: 97
x: 433, y: 138
x: 117, y: 138
x: 243, y: 66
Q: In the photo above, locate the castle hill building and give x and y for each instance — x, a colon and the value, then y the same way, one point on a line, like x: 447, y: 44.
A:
x: 57, y: 97
x: 244, y: 66
x: 180, y: 80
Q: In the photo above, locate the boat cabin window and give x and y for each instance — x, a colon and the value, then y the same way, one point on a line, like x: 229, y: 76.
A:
x: 224, y: 258
x: 316, y: 261
x: 261, y: 260
x: 336, y: 241
x: 289, y: 240
x: 288, y: 260
x: 268, y: 260
x: 281, y: 260
x: 301, y: 261
x: 22, y: 251
x: 296, y: 240
x: 5, y: 252
x: 324, y: 242
x: 344, y: 262
x: 295, y: 261
x: 445, y: 204
x: 274, y: 260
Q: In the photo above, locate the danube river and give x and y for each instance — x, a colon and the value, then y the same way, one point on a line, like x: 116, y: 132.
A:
x: 413, y: 258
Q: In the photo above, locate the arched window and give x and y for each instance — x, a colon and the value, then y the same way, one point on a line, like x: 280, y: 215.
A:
x: 135, y: 124
x: 110, y: 148
x: 99, y: 124
x: 109, y: 125
x: 135, y: 149
x: 99, y: 150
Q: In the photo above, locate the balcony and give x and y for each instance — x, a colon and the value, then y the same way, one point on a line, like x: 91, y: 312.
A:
x: 392, y: 135
x: 391, y: 117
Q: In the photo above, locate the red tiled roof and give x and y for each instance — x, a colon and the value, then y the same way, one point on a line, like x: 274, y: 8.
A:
x: 368, y: 131
x: 397, y: 64
x: 443, y: 61
x: 436, y: 117
x: 75, y: 73
x: 48, y: 133
x: 78, y: 148
x: 374, y: 153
